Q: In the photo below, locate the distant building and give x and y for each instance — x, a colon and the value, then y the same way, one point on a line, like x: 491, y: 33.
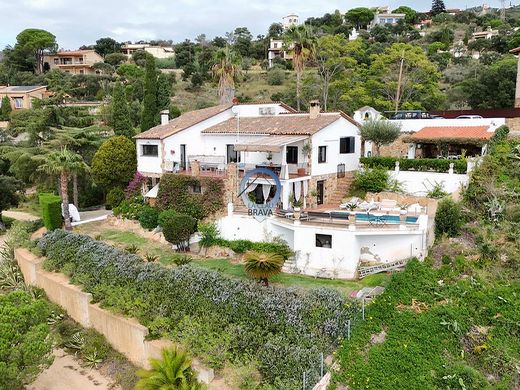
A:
x: 381, y: 19
x: 73, y: 61
x: 156, y: 51
x: 486, y: 34
x: 290, y: 20
x: 22, y: 96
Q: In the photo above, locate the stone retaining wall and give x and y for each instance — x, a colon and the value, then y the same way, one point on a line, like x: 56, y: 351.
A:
x: 126, y: 335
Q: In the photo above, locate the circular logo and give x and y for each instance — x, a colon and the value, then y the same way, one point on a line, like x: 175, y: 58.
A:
x: 250, y: 181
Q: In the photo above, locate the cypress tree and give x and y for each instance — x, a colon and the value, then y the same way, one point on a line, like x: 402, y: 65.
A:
x: 120, y: 113
x: 5, y: 109
x: 438, y: 7
x: 164, y: 91
x: 150, y: 111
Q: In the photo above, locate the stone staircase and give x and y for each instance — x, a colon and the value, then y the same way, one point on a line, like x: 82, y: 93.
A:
x: 341, y: 190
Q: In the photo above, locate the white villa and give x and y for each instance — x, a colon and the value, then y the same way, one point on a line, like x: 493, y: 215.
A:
x: 314, y: 154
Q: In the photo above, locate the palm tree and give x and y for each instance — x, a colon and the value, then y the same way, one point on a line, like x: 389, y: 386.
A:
x: 299, y: 41
x: 63, y: 163
x: 226, y: 68
x: 173, y: 372
x: 262, y: 265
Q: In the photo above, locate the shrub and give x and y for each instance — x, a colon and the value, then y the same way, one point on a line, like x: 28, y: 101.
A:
x: 420, y: 164
x: 181, y: 259
x: 165, y: 215
x: 371, y: 180
x: 50, y: 205
x: 263, y: 265
x: 275, y: 76
x: 114, y: 163
x: 114, y: 197
x: 130, y: 208
x: 448, y: 218
x: 225, y: 318
x: 209, y: 234
x: 175, y: 193
x: 178, y: 229
x: 149, y: 217
x: 134, y: 186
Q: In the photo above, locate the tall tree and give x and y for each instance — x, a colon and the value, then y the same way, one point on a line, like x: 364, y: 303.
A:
x: 5, y: 108
x: 359, y: 17
x: 10, y: 194
x: 36, y: 42
x: 411, y: 14
x: 148, y: 118
x: 164, y: 91
x: 299, y: 41
x: 114, y: 164
x: 226, y: 68
x: 120, y: 112
x: 63, y: 164
x: 106, y: 46
x: 438, y: 7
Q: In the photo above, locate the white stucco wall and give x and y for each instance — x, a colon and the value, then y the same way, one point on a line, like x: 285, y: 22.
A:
x: 419, y: 183
x: 329, y: 136
x: 148, y: 164
x: 347, y: 249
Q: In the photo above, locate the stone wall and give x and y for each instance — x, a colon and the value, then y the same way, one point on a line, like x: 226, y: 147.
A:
x: 126, y: 335
x: 398, y: 148
x: 331, y: 183
x: 513, y: 124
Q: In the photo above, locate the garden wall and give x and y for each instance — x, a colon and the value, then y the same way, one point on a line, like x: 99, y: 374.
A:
x: 126, y: 335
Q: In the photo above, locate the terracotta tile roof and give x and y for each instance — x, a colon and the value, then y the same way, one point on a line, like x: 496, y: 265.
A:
x: 182, y: 122
x: 453, y: 133
x: 73, y: 52
x: 286, y: 124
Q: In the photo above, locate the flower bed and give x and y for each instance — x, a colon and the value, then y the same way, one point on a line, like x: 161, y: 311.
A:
x: 283, y: 330
x: 420, y: 164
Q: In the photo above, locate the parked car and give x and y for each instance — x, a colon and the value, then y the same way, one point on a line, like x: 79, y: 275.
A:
x: 410, y: 114
x: 436, y: 117
x: 469, y: 117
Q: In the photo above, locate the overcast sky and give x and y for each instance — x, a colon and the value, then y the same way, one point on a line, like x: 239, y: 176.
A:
x: 77, y: 22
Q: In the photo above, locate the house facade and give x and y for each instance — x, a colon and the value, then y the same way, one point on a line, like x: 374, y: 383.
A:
x: 156, y: 51
x: 74, y: 61
x: 310, y: 152
x: 380, y: 19
x: 21, y: 97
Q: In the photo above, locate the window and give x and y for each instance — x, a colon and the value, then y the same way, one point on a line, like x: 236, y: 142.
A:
x: 266, y: 111
x: 196, y: 189
x: 322, y: 154
x: 18, y: 102
x: 56, y: 61
x: 232, y: 155
x: 323, y: 241
x: 81, y: 71
x: 292, y: 155
x: 347, y: 145
x: 150, y: 150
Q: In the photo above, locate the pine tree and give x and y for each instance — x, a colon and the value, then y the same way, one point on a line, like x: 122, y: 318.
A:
x: 5, y: 109
x: 164, y: 91
x: 150, y: 111
x: 120, y: 113
x: 438, y: 7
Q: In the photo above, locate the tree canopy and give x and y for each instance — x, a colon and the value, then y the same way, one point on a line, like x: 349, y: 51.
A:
x: 30, y: 46
x: 360, y: 17
x: 115, y: 163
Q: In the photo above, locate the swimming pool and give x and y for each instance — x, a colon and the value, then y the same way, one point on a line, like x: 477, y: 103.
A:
x: 384, y: 218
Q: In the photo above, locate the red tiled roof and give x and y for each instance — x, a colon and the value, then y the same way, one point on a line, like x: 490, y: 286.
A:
x: 182, y: 122
x: 73, y: 52
x: 453, y: 133
x: 286, y: 124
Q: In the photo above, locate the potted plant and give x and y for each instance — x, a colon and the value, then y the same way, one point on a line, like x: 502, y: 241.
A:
x: 351, y: 215
x: 269, y: 158
x: 296, y: 205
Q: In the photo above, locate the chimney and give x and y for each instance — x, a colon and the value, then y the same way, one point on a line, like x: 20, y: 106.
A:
x: 314, y: 109
x: 165, y: 117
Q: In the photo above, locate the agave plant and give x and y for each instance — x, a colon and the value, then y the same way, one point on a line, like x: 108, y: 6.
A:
x: 150, y: 257
x: 263, y: 265
x: 133, y: 249
x: 172, y: 372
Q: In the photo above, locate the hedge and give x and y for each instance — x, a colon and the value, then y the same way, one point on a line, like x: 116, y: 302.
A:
x: 175, y: 193
x: 218, y: 318
x: 50, y: 205
x: 420, y: 164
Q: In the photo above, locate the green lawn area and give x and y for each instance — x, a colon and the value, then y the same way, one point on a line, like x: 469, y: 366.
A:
x: 123, y: 239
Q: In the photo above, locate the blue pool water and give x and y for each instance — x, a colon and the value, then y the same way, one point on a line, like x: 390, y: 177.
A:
x: 386, y: 218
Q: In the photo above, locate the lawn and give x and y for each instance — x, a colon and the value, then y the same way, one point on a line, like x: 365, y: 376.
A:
x: 165, y: 254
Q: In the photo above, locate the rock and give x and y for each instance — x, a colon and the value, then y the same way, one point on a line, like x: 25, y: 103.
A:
x: 378, y: 338
x: 219, y: 252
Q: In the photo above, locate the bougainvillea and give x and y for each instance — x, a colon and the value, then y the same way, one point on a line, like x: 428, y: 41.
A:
x: 134, y: 186
x: 219, y: 318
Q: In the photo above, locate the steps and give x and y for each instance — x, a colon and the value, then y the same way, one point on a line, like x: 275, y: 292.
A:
x: 341, y: 190
x: 365, y: 271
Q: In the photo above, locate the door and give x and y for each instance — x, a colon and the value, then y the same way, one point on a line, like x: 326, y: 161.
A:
x: 320, y: 189
x: 231, y: 155
x: 183, y: 158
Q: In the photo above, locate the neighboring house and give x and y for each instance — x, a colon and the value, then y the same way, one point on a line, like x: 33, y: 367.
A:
x: 381, y: 19
x: 74, y: 61
x: 366, y: 113
x: 486, y: 34
x: 277, y: 50
x: 290, y: 20
x: 156, y: 51
x: 22, y: 96
x: 267, y: 135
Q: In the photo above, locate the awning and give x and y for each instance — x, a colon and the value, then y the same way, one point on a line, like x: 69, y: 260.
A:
x: 273, y: 143
x: 153, y: 192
